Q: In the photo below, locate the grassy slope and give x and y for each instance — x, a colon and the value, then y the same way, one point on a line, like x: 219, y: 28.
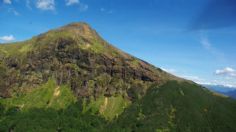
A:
x: 109, y: 108
x: 47, y: 108
x: 16, y: 49
x: 179, y: 107
x: 47, y: 96
x: 171, y: 107
x: 50, y: 102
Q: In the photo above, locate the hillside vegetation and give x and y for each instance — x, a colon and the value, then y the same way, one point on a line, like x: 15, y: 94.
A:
x: 171, y: 107
x: 70, y: 79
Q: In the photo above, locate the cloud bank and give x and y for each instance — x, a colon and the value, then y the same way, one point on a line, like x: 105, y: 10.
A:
x: 45, y: 4
x: 7, y: 1
x: 7, y: 38
x: 72, y: 2
x: 82, y: 6
x: 227, y: 71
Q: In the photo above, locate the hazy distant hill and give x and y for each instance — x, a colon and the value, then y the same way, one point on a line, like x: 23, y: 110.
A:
x: 228, y: 91
x: 232, y: 94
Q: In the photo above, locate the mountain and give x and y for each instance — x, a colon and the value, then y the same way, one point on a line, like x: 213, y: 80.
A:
x: 231, y: 94
x: 219, y: 88
x: 76, y: 55
x: 228, y: 91
x: 70, y: 79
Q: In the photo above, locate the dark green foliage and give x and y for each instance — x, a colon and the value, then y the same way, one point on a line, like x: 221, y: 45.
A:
x: 50, y: 120
x: 172, y: 107
x: 1, y: 110
x: 179, y: 107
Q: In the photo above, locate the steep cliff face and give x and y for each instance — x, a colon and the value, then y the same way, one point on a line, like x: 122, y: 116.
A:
x: 76, y: 55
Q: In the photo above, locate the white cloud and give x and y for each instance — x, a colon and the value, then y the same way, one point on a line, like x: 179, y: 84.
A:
x: 218, y: 84
x: 45, y: 4
x: 7, y: 1
x: 172, y: 71
x: 205, y: 42
x: 28, y: 4
x: 222, y: 82
x: 227, y: 71
x: 227, y: 80
x: 72, y: 2
x: 106, y: 11
x: 7, y: 38
x: 196, y: 79
x: 12, y: 10
x: 188, y: 77
x: 201, y: 81
x: 208, y: 45
x: 193, y: 78
x: 83, y: 7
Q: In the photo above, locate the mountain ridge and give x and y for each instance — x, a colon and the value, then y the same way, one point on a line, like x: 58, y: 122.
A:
x: 70, y: 79
x: 81, y: 41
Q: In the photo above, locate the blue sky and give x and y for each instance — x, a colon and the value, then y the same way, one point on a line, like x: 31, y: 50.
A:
x: 194, y: 39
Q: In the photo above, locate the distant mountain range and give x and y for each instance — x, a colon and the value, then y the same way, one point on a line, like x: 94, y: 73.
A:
x: 228, y: 91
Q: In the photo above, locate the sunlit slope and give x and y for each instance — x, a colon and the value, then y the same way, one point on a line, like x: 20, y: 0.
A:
x: 48, y: 95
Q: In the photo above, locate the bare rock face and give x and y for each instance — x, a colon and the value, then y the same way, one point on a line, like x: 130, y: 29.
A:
x: 76, y: 55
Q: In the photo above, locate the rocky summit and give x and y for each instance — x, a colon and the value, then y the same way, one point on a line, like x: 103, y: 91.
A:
x: 70, y: 79
x: 76, y: 55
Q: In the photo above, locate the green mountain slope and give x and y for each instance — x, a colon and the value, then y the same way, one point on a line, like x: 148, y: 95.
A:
x: 70, y: 79
x: 48, y: 95
x: 179, y: 107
